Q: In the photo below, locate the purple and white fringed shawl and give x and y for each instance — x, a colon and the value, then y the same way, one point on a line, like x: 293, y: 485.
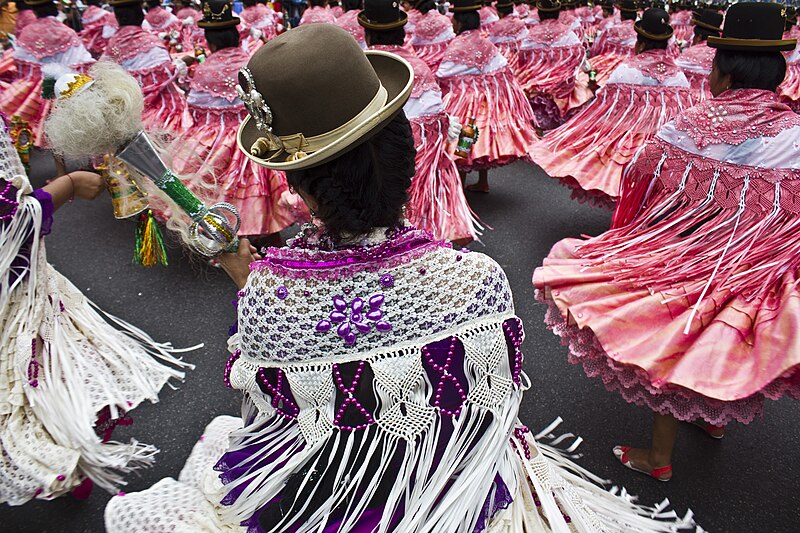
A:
x: 62, y: 361
x: 382, y: 384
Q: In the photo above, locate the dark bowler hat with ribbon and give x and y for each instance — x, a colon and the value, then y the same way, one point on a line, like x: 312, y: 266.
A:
x: 754, y: 27
x: 217, y: 14
x: 708, y: 19
x: 382, y: 15
x: 548, y: 5
x: 464, y: 6
x: 654, y: 25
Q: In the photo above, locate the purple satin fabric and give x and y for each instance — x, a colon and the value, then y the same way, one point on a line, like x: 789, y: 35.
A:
x: 22, y: 261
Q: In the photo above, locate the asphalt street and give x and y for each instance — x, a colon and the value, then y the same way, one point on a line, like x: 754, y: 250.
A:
x: 746, y: 482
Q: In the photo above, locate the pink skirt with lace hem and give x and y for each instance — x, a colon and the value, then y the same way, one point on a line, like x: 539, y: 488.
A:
x: 436, y: 201
x: 502, y: 114
x: 634, y: 387
x: 736, y: 353
x: 593, y: 198
x: 208, y: 158
x: 595, y: 145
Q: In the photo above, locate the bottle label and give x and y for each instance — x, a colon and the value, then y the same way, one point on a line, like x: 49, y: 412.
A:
x: 465, y: 144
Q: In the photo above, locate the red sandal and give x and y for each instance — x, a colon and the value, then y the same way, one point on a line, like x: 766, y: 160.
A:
x: 715, y: 432
x: 621, y: 453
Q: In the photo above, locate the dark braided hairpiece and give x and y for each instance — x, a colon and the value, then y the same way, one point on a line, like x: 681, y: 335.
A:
x: 363, y: 188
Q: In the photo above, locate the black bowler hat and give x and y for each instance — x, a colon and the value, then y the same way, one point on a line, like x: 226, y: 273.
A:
x: 791, y: 17
x: 754, y: 27
x: 217, y: 14
x: 464, y: 6
x: 117, y: 3
x: 504, y: 3
x: 654, y: 25
x: 548, y: 5
x: 628, y: 5
x: 382, y: 15
x: 708, y: 19
x: 608, y: 4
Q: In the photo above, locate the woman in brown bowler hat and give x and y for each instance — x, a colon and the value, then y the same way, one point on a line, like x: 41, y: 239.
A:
x: 381, y: 369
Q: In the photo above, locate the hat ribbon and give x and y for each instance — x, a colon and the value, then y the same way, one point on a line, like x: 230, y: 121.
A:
x: 296, y: 146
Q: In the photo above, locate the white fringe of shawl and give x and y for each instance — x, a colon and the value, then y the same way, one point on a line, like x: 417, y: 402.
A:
x: 429, y: 499
x: 61, y: 401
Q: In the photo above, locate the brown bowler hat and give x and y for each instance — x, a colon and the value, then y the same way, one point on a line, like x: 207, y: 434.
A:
x: 312, y: 94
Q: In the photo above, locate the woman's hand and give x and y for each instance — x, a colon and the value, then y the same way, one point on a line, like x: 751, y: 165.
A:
x: 86, y: 185
x: 237, y: 265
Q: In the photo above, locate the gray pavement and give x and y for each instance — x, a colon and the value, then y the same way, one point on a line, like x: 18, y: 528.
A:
x: 747, y: 482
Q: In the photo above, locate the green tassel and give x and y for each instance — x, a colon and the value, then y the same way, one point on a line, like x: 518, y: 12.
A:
x: 149, y: 242
x: 49, y: 88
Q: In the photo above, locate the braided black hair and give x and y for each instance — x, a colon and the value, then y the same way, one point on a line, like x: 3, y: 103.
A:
x: 363, y: 188
x: 468, y: 20
x: 651, y: 44
x: 222, y: 38
x: 752, y: 70
x: 46, y: 10
x: 129, y: 15
x: 426, y: 5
